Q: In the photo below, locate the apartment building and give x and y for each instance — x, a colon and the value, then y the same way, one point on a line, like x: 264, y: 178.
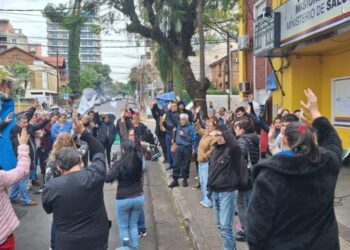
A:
x: 11, y: 37
x: 90, y: 41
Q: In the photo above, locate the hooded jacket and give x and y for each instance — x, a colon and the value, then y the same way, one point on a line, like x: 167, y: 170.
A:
x: 291, y: 205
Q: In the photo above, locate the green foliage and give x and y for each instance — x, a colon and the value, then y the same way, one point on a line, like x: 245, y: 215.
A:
x: 95, y: 75
x: 22, y: 74
x: 129, y: 88
x: 88, y: 78
x: 3, y: 74
x: 212, y: 91
x: 103, y: 71
x: 164, y: 62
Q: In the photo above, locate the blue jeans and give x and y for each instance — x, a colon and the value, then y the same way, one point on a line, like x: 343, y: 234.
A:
x: 128, y: 211
x: 242, y: 205
x: 203, y: 179
x: 224, y: 205
x: 168, y: 138
x: 141, y: 221
x: 32, y: 174
x: 20, y: 188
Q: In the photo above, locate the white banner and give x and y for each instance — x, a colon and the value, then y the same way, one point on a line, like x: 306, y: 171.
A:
x: 85, y: 105
x: 304, y: 18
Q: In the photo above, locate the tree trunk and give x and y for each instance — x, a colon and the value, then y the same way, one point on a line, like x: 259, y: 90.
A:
x: 196, y: 90
x: 73, y: 49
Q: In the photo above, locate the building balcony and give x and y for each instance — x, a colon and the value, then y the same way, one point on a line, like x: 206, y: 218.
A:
x: 57, y: 37
x: 91, y: 38
x: 90, y: 53
x: 57, y: 45
x: 90, y: 46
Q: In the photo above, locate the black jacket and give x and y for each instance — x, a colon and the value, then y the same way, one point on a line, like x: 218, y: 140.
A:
x: 76, y: 201
x: 102, y: 132
x: 224, y: 168
x: 157, y: 113
x: 169, y: 124
x: 250, y: 142
x: 291, y: 206
x: 16, y: 130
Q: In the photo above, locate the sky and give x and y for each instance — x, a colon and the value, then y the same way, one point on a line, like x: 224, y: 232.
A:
x: 33, y: 25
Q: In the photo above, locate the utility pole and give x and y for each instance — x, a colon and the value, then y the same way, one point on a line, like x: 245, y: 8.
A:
x: 229, y: 72
x: 58, y: 77
x: 201, y: 41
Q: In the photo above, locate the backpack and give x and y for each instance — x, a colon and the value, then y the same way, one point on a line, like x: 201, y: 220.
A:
x: 245, y: 176
x: 147, y: 136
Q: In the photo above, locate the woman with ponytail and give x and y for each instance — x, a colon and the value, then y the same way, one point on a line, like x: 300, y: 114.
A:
x: 291, y: 205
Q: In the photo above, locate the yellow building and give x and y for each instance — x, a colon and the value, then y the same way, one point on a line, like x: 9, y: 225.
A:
x: 313, y: 51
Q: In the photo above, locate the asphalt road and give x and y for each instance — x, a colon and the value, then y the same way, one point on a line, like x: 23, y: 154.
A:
x: 163, y: 228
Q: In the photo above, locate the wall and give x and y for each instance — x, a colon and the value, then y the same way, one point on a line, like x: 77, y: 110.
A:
x: 313, y: 72
x: 7, y: 58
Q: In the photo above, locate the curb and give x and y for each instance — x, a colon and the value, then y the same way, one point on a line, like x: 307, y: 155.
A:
x: 199, y: 242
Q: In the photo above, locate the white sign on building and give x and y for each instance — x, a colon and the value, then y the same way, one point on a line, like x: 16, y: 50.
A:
x: 303, y: 18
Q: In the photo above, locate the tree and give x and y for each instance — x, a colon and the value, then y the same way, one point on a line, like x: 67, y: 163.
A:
x: 104, y: 72
x: 172, y: 25
x: 88, y: 78
x: 22, y: 74
x: 71, y: 17
x: 3, y: 74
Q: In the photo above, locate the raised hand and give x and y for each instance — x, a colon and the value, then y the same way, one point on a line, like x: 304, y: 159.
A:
x: 135, y: 120
x: 311, y: 104
x: 77, y: 123
x: 35, y: 104
x: 23, y: 138
x: 271, y: 134
x: 197, y: 110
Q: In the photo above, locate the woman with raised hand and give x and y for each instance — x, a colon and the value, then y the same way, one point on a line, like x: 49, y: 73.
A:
x: 8, y: 219
x: 291, y: 205
x: 206, y: 148
x: 129, y: 199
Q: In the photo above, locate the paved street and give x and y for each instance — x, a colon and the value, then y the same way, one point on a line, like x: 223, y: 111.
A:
x: 175, y: 220
x: 163, y: 228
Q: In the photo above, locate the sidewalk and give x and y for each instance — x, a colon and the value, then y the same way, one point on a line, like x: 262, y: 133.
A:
x: 200, y: 221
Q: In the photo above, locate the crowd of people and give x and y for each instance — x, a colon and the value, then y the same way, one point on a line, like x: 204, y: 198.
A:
x: 74, y: 154
x: 277, y: 199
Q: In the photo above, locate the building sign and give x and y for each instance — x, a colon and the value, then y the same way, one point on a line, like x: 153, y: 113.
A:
x: 303, y: 18
x: 267, y: 34
x: 341, y: 101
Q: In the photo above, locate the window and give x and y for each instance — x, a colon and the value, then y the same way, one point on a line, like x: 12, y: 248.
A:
x: 65, y: 35
x: 16, y: 57
x: 14, y: 40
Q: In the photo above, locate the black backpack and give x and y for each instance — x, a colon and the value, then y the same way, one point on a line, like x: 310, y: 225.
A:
x: 245, y: 175
x: 147, y: 136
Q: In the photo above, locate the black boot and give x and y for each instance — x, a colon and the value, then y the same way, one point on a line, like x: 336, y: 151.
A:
x: 184, y: 183
x: 174, y: 183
